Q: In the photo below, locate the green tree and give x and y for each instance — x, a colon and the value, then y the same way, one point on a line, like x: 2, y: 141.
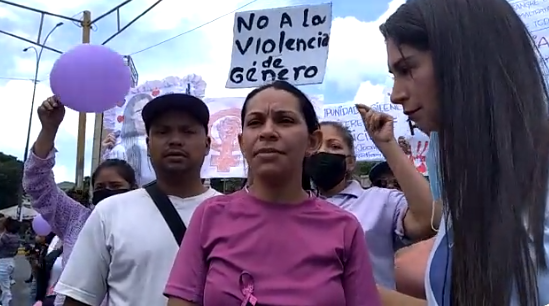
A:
x: 11, y: 174
x: 364, y: 167
x: 228, y: 185
x: 81, y: 195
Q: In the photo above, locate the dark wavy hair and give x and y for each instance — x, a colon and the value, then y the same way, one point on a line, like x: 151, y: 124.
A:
x: 307, y: 110
x: 493, y: 142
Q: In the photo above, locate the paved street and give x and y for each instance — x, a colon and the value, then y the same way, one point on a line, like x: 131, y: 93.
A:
x: 21, y: 291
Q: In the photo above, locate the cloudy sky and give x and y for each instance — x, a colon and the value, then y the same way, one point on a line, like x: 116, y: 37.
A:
x: 356, y: 64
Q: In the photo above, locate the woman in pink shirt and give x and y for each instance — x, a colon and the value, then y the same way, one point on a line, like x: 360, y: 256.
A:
x: 273, y: 244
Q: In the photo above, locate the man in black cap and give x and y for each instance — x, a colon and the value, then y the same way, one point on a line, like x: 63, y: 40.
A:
x: 382, y: 176
x: 178, y: 142
x: 127, y: 245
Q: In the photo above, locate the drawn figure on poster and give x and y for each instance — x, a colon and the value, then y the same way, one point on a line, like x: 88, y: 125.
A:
x: 130, y: 143
x: 419, y: 156
x: 227, y: 125
x: 405, y: 146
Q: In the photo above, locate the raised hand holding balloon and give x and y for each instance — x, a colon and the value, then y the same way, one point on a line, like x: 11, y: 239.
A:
x: 40, y: 226
x: 51, y: 113
x: 378, y: 125
x: 90, y: 78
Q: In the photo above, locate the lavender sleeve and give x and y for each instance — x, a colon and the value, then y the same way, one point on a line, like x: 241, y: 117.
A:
x: 188, y: 275
x: 57, y: 208
x: 358, y: 277
x: 397, y: 202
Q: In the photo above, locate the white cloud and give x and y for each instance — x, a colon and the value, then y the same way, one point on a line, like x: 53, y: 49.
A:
x: 369, y: 93
x: 58, y: 7
x: 5, y: 13
x: 61, y: 174
x: 170, y: 14
x: 17, y: 97
x: 357, y: 49
x: 27, y: 65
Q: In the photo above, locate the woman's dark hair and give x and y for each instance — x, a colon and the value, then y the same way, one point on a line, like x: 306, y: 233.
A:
x: 307, y: 111
x: 122, y: 168
x: 48, y: 239
x: 12, y: 226
x: 493, y: 142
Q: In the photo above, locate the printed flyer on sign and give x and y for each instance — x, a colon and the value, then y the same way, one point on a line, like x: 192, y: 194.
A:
x: 288, y: 43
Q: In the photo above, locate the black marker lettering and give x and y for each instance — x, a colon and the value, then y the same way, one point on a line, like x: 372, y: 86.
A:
x: 285, y: 19
x: 250, y: 75
x: 316, y: 20
x: 241, y: 22
x: 305, y: 18
x: 236, y: 75
x: 268, y: 46
x: 262, y: 22
x: 281, y: 41
x: 246, y: 47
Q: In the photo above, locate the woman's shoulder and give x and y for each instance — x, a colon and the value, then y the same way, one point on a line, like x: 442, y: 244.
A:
x: 218, y: 201
x: 331, y: 211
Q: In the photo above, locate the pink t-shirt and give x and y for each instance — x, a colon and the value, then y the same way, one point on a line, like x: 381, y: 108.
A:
x: 237, y: 246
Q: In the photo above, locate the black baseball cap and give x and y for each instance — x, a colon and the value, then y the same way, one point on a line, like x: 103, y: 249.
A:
x: 176, y: 102
x: 378, y: 170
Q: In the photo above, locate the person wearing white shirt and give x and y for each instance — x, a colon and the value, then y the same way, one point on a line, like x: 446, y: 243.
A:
x: 126, y: 249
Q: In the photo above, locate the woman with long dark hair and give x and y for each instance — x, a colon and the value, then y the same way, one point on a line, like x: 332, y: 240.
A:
x: 469, y: 70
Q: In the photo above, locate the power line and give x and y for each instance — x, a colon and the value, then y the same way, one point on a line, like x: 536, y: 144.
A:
x: 194, y: 29
x: 17, y: 79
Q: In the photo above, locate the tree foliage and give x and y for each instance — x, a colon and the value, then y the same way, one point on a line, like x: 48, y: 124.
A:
x: 364, y: 167
x: 227, y: 185
x: 81, y: 195
x: 11, y: 174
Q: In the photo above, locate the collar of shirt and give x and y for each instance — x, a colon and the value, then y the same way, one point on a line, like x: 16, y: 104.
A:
x: 353, y: 189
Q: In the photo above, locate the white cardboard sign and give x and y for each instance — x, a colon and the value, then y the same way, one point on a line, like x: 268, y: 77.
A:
x: 288, y: 43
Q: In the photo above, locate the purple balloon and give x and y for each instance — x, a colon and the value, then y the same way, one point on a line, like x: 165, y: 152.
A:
x: 90, y: 78
x: 40, y: 226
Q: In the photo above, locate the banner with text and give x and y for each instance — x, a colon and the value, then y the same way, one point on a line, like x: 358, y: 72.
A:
x: 365, y: 149
x: 124, y: 135
x: 535, y: 15
x: 288, y: 43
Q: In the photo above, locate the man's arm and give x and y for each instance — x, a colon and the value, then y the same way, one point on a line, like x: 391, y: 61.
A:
x: 84, y: 279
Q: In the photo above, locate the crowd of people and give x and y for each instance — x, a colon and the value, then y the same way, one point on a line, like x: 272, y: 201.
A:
x: 303, y: 231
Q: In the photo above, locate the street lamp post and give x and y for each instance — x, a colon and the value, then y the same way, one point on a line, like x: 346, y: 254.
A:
x: 35, y: 81
x: 86, y: 24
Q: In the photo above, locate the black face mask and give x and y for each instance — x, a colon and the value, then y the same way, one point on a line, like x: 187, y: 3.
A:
x: 326, y: 169
x: 101, y: 194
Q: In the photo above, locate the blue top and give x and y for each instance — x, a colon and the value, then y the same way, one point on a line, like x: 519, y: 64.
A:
x: 438, y: 276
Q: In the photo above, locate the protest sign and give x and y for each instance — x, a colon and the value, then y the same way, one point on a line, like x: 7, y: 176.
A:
x: 365, y: 149
x: 124, y: 135
x: 535, y: 15
x: 289, y: 43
